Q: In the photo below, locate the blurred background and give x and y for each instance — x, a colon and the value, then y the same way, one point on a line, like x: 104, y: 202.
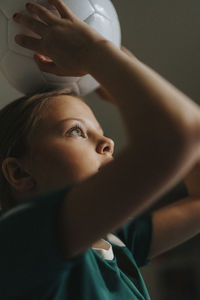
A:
x: 165, y: 36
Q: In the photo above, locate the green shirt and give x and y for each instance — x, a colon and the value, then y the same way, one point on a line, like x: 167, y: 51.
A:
x: 31, y: 268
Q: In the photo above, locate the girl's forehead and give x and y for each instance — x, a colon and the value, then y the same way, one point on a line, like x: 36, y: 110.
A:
x: 68, y: 103
x: 67, y: 106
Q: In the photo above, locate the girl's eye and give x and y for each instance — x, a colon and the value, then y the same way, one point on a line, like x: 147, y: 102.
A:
x: 76, y: 129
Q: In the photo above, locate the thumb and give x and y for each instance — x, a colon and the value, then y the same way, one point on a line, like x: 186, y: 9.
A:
x: 47, y: 65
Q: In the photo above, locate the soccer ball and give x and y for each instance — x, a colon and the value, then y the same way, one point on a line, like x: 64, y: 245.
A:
x: 17, y: 63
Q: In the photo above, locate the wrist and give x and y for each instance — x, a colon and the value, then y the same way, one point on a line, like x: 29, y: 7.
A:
x: 97, y: 53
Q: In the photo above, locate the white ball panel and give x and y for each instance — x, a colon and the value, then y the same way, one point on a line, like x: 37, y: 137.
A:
x: 9, y: 7
x: 101, y: 25
x: 105, y: 8
x: 28, y: 81
x: 58, y: 84
x: 74, y: 88
x: 116, y: 32
x: 87, y: 84
x: 62, y: 82
x: 3, y: 35
x: 53, y: 78
x: 83, y: 9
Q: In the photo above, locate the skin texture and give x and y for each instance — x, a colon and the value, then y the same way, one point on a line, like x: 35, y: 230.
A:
x: 51, y: 166
x: 63, y: 30
x: 57, y: 156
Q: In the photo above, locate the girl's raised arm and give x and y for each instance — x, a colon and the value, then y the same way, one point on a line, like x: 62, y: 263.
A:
x: 164, y: 138
x: 162, y: 123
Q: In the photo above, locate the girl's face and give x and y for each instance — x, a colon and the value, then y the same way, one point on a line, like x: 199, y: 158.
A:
x: 68, y: 146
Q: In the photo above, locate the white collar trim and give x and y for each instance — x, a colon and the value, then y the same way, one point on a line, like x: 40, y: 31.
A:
x: 108, y: 254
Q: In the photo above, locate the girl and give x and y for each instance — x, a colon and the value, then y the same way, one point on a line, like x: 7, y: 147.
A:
x: 76, y: 226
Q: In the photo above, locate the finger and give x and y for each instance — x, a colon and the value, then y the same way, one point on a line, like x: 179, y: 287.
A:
x: 101, y: 92
x: 47, y: 65
x: 43, y: 58
x: 126, y: 51
x: 31, y: 23
x: 42, y: 12
x: 28, y: 42
x: 63, y: 10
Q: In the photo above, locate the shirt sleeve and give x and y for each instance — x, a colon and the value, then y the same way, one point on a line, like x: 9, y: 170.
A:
x: 28, y: 249
x: 137, y: 236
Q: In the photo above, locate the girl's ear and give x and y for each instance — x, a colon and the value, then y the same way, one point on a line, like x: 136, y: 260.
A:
x: 16, y: 175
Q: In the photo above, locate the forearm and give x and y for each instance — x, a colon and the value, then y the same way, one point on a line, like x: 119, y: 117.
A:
x: 192, y: 180
x: 147, y: 102
x: 175, y: 224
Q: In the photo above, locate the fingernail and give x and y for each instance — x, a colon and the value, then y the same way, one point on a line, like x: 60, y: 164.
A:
x: 15, y: 15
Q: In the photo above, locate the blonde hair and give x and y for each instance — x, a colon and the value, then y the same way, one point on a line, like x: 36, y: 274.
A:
x: 17, y: 120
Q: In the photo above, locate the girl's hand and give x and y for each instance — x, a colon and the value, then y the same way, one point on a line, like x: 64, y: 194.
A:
x: 101, y: 91
x: 66, y: 42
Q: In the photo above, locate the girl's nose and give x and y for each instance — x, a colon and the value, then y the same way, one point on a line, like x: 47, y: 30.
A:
x: 105, y: 145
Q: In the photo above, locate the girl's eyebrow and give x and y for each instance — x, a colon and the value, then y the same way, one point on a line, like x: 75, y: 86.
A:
x: 83, y: 121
